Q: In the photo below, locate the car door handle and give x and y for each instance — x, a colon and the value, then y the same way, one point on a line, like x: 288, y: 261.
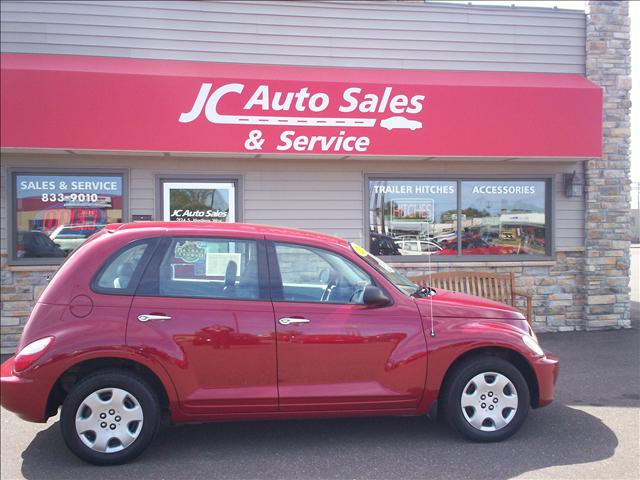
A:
x: 146, y: 317
x: 289, y: 320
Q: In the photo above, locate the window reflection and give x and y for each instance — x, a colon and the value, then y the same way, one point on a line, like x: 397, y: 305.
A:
x: 56, y: 213
x: 503, y: 218
x: 411, y: 217
x: 420, y: 217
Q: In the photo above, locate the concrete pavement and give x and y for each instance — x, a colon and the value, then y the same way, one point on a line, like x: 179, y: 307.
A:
x: 590, y: 432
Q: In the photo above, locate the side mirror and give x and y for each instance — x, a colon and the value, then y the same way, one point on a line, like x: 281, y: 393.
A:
x: 375, y: 297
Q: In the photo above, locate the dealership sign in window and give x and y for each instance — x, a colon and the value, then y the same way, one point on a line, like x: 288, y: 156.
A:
x: 56, y: 213
x: 199, y: 202
x: 424, y: 217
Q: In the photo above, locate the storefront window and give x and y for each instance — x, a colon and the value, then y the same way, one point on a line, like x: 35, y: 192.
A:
x: 56, y: 213
x: 423, y: 217
x: 412, y: 217
x: 503, y: 218
x: 199, y: 201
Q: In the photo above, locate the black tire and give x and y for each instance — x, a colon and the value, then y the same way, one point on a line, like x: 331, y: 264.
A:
x: 458, y: 380
x: 131, y: 383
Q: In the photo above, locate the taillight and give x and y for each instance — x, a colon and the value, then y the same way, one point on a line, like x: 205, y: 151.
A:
x: 32, y: 352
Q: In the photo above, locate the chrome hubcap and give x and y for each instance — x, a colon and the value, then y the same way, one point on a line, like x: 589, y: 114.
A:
x: 109, y: 420
x: 489, y: 401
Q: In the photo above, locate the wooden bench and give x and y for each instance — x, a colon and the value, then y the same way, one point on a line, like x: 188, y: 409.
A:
x: 500, y: 287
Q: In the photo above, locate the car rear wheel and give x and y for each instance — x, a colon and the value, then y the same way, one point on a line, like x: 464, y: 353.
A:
x: 486, y: 399
x: 110, y: 417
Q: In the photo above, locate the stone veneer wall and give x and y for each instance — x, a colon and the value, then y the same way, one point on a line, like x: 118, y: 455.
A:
x: 608, y: 184
x: 21, y: 286
x: 556, y: 288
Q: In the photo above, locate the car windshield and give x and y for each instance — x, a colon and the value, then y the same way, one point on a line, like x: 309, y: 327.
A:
x: 401, y: 282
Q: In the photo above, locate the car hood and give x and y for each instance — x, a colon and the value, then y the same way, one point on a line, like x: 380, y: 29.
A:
x: 461, y: 305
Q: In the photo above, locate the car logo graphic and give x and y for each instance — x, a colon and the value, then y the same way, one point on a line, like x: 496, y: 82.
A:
x: 392, y: 123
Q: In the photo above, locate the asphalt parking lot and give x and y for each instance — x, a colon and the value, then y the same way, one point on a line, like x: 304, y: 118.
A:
x: 592, y: 431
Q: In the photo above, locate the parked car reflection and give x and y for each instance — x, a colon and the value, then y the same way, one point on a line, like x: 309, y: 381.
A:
x: 478, y: 246
x: 417, y: 244
x: 412, y: 245
x: 68, y: 237
x: 382, y: 244
x: 35, y: 244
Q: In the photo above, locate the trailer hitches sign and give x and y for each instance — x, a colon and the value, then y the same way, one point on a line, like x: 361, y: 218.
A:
x: 91, y: 103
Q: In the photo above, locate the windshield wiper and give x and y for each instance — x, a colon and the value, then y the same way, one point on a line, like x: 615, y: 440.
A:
x: 424, y: 292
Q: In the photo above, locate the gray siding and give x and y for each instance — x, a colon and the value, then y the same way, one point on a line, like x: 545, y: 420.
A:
x: 343, y: 34
x: 322, y: 195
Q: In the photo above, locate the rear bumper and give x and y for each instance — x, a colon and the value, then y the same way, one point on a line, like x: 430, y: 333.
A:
x: 547, y: 369
x: 21, y: 395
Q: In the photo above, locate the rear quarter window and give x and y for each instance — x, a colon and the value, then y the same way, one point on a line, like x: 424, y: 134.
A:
x: 121, y: 272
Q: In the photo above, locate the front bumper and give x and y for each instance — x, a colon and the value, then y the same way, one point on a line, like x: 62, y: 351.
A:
x: 546, y: 369
x: 22, y: 395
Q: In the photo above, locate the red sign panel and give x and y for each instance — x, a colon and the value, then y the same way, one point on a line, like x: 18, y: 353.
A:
x: 99, y: 103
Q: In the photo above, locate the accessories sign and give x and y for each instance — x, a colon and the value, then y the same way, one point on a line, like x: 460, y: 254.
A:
x: 94, y: 103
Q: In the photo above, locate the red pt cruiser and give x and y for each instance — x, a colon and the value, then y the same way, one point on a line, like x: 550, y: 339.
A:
x: 209, y: 322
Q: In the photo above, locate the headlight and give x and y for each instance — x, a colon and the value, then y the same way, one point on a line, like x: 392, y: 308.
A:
x: 533, y: 345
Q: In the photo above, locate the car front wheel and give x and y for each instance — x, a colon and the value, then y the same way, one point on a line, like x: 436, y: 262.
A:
x: 486, y: 399
x: 110, y: 417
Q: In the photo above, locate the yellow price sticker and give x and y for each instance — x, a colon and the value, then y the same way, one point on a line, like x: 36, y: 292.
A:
x: 359, y: 250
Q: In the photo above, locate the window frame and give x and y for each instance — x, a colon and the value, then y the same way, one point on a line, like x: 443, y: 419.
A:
x: 237, y: 180
x: 550, y: 202
x: 149, y: 284
x: 275, y: 276
x: 12, y: 203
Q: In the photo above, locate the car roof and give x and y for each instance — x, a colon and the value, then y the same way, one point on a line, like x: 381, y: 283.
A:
x: 224, y: 228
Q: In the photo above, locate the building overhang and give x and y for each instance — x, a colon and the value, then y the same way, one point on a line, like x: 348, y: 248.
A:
x: 73, y: 104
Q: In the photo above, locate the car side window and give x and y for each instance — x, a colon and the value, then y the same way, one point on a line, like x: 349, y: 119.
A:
x: 118, y: 273
x: 210, y: 268
x: 411, y: 246
x: 316, y: 275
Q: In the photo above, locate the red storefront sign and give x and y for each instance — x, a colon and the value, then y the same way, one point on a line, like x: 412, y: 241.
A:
x: 95, y: 103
